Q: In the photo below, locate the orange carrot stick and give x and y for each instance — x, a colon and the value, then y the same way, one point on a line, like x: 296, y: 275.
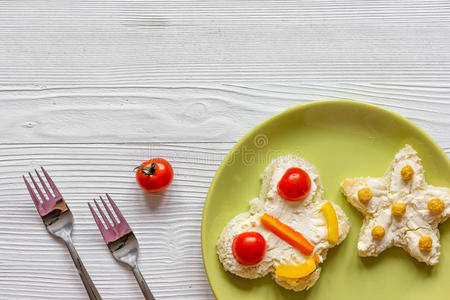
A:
x: 287, y: 234
x: 316, y: 257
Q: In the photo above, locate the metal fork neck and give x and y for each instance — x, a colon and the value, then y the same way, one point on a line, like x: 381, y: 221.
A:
x: 142, y: 284
x: 85, y: 278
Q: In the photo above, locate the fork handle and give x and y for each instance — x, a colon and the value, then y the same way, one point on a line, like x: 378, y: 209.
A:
x: 85, y: 278
x: 142, y: 284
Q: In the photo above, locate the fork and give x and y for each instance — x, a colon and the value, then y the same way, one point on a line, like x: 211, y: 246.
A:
x: 58, y: 220
x: 121, y: 241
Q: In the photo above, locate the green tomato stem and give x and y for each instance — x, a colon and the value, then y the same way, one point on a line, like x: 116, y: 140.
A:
x: 149, y: 171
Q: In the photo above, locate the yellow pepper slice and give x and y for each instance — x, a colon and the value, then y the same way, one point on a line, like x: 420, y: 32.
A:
x: 332, y: 222
x: 297, y: 271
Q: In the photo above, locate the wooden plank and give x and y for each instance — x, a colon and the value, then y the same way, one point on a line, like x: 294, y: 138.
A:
x: 47, y: 42
x: 203, y: 112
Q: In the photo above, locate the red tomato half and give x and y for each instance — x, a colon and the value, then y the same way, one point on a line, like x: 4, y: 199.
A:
x: 154, y: 175
x: 294, y: 185
x: 249, y: 248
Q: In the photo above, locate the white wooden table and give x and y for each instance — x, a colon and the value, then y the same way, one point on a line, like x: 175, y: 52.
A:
x: 90, y: 89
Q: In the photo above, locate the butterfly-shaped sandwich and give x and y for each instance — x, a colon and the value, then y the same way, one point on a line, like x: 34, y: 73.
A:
x: 287, y: 230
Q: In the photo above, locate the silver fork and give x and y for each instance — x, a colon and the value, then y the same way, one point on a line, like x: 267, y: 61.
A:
x: 58, y: 220
x: 121, y: 241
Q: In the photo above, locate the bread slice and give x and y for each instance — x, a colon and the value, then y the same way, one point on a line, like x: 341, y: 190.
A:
x: 265, y: 203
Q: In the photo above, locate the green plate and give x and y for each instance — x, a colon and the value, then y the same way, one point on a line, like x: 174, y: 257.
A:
x: 342, y: 139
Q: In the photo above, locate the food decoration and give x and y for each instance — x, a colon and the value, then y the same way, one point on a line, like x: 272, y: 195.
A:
x: 378, y: 232
x: 364, y: 195
x: 436, y: 206
x: 249, y: 248
x: 287, y: 234
x: 403, y: 210
x: 294, y: 185
x: 297, y: 271
x: 332, y: 222
x: 298, y: 226
x: 398, y: 209
x: 425, y: 243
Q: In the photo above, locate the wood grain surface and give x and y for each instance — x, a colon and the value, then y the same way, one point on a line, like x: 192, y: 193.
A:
x: 142, y: 42
x: 74, y: 138
x: 34, y: 265
x: 202, y: 112
x: 91, y: 88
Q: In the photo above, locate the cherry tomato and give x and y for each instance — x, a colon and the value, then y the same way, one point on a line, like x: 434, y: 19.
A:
x: 154, y: 175
x: 249, y: 248
x: 294, y: 185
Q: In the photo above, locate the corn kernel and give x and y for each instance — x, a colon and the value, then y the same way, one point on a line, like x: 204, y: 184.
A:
x: 364, y: 195
x: 378, y: 232
x: 436, y: 206
x: 407, y: 173
x: 425, y: 243
x: 398, y: 209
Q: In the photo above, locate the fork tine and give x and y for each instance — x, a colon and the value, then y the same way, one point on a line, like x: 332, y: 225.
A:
x: 109, y: 211
x: 44, y: 185
x: 117, y: 211
x: 102, y: 214
x: 97, y: 220
x: 52, y: 184
x: 38, y: 189
x: 33, y: 195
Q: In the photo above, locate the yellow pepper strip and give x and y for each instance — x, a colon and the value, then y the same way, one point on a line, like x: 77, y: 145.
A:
x: 332, y: 222
x: 298, y: 271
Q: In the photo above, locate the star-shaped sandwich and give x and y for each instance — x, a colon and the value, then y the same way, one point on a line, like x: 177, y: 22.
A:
x: 400, y: 209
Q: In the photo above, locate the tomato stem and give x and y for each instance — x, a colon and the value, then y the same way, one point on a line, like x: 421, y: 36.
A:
x: 149, y: 171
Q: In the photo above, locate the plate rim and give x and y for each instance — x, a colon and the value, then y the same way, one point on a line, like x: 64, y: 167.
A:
x: 288, y: 110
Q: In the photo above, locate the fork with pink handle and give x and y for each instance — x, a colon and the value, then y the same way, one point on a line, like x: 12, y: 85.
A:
x: 58, y: 220
x: 121, y: 241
